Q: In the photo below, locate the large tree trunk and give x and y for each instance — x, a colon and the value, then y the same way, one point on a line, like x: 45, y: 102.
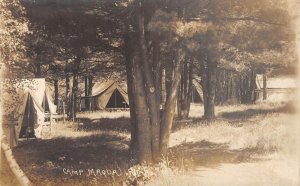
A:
x: 158, y: 72
x: 144, y: 81
x: 168, y: 81
x: 168, y: 114
x: 144, y: 151
x: 130, y: 52
x: 141, y: 131
x: 209, y: 76
x: 150, y: 86
x: 209, y: 107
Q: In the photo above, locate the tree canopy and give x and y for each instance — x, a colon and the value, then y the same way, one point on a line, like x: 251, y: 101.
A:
x: 160, y: 45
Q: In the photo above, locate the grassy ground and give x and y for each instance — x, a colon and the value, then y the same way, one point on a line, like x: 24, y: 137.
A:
x: 76, y: 147
x: 244, y: 140
x: 246, y: 145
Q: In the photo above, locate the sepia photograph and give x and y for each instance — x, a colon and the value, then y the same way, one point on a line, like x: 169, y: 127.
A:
x: 149, y: 92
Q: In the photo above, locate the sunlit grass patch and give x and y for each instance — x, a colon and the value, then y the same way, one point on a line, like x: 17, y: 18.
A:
x: 71, y: 129
x: 104, y: 114
x: 270, y: 132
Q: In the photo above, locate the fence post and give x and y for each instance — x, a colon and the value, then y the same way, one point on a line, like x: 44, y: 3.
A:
x: 12, y: 134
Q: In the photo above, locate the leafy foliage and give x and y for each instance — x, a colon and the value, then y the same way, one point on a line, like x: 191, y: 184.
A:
x: 13, y: 28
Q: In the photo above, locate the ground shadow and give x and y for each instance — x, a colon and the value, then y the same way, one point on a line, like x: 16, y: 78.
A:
x: 234, y: 118
x: 43, y: 160
x: 249, y: 113
x: 212, y: 155
x: 106, y: 124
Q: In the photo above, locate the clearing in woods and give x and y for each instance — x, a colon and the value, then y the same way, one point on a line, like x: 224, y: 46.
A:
x: 253, y: 141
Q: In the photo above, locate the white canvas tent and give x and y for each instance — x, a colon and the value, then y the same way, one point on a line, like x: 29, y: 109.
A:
x: 109, y: 94
x: 27, y: 107
x: 30, y: 116
x: 279, y: 89
x: 48, y: 104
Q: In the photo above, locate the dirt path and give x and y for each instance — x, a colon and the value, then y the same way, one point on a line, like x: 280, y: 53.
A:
x: 267, y: 173
x: 7, y: 178
x: 244, y: 147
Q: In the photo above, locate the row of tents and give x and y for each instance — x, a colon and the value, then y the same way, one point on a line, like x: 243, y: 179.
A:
x: 31, y: 103
x: 28, y: 106
x: 112, y: 94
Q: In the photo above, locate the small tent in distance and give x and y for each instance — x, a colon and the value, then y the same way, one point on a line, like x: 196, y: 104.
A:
x: 278, y: 89
x: 106, y: 95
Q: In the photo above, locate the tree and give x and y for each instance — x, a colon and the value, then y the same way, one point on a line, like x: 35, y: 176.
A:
x: 220, y: 41
x: 86, y: 41
x: 209, y: 32
x: 147, y: 30
x: 14, y: 27
x: 40, y: 54
x: 244, y: 29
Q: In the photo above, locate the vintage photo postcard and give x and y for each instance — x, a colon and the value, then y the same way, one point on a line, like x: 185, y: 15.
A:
x: 149, y: 92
